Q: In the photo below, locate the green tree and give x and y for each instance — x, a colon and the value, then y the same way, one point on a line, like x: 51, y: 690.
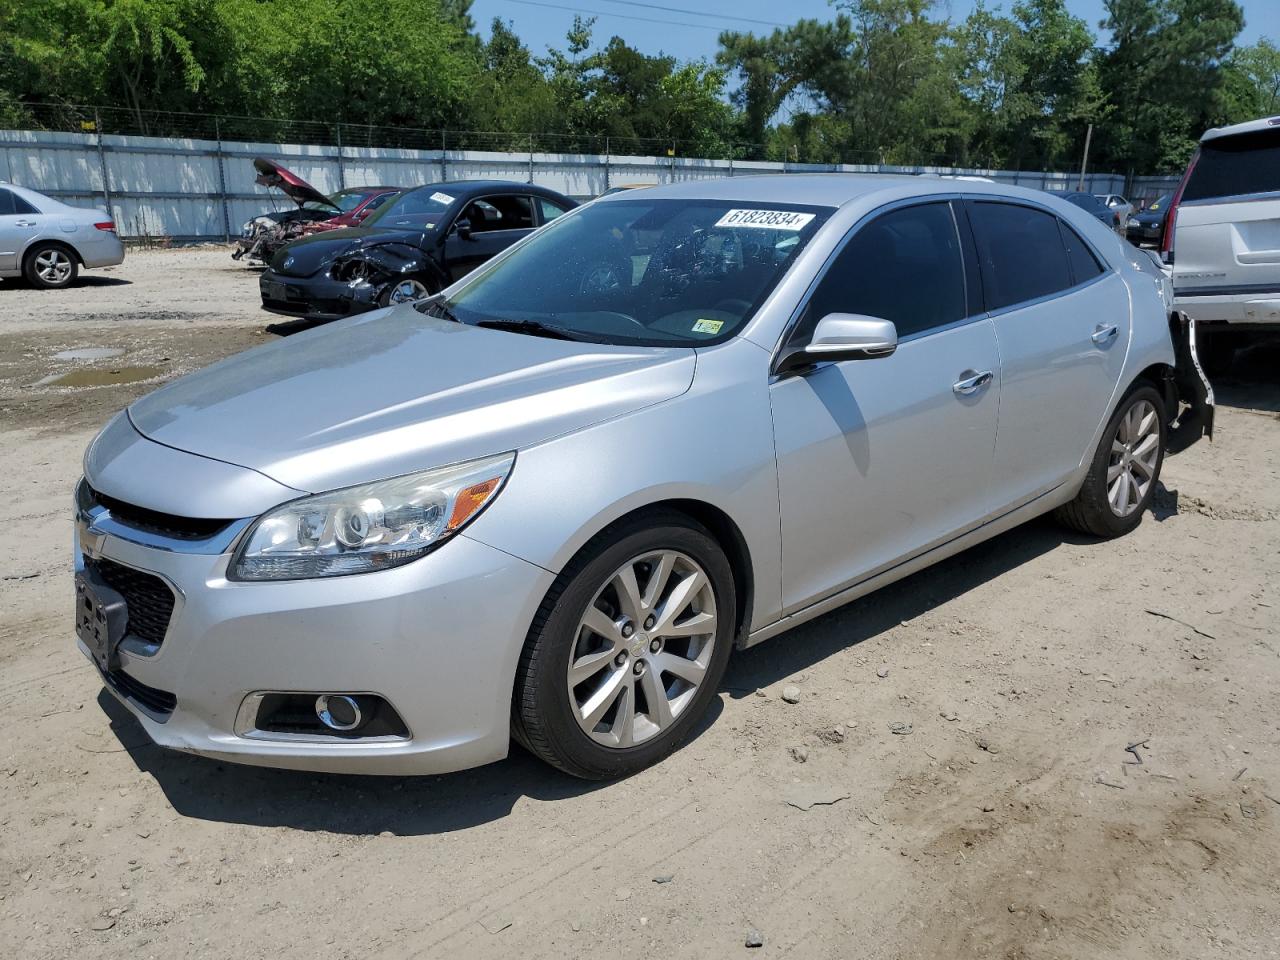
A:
x: 1252, y: 82
x: 1163, y: 74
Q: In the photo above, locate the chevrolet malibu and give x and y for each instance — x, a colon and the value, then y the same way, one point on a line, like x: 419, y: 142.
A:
x: 549, y: 502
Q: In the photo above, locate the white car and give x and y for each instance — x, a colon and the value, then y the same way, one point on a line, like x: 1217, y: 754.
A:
x: 1223, y: 236
x: 48, y: 241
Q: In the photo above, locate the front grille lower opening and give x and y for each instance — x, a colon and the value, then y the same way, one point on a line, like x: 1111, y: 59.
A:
x: 148, y: 600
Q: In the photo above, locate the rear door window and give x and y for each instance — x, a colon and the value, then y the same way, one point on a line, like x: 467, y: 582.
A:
x: 1020, y: 251
x: 1237, y: 166
x: 6, y: 202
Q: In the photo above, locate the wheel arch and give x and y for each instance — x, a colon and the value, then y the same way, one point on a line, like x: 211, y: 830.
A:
x: 50, y: 242
x: 726, y: 533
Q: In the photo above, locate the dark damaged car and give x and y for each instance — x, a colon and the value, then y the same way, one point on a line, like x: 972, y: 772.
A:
x: 416, y: 245
x: 313, y: 212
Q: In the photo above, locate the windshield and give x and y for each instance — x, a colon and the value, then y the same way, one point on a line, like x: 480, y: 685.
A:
x: 651, y: 272
x: 344, y: 200
x: 418, y: 209
x: 1159, y: 203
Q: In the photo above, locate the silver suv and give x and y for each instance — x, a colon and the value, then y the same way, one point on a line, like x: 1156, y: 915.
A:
x: 1223, y: 236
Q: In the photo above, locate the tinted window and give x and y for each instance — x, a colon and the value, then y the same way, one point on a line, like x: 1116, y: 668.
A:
x: 551, y: 209
x: 6, y: 203
x: 499, y: 213
x: 1236, y: 166
x: 1021, y: 253
x: 904, y: 266
x: 1084, y: 265
x: 378, y: 201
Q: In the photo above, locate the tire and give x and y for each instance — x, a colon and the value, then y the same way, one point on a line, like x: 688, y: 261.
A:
x: 548, y: 708
x: 1092, y: 511
x: 50, y: 266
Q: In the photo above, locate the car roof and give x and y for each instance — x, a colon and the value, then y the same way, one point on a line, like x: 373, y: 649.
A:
x: 1249, y: 126
x: 823, y: 189
x: 463, y: 188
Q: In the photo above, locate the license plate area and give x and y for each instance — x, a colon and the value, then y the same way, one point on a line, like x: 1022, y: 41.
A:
x: 275, y: 291
x: 101, y: 618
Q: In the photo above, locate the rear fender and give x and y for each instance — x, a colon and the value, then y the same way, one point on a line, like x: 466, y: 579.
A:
x: 1187, y: 385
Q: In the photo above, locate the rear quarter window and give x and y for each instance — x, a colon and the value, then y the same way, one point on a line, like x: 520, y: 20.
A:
x: 1237, y: 166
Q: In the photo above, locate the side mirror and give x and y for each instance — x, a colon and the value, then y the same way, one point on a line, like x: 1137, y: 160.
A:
x: 463, y: 226
x: 843, y: 336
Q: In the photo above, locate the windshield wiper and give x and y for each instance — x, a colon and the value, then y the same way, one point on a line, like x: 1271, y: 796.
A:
x: 535, y: 328
x: 437, y: 307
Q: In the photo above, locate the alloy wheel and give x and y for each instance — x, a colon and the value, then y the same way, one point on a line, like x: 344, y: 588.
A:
x: 1135, y: 452
x: 407, y: 291
x: 642, y: 648
x: 53, y: 267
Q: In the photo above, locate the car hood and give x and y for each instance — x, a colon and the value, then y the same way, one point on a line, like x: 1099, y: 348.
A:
x: 271, y: 174
x: 309, y: 255
x: 395, y: 391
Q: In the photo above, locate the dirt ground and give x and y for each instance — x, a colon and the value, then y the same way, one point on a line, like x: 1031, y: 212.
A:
x: 1010, y: 822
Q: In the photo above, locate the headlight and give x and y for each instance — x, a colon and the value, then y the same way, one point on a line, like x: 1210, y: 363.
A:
x: 374, y: 526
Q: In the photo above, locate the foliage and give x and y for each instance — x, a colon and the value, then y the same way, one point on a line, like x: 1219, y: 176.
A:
x: 878, y: 81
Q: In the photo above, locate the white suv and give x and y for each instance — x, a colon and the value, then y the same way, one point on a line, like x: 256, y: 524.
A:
x: 1222, y: 237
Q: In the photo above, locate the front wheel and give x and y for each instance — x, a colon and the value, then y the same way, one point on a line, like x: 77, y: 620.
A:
x: 1126, y: 467
x: 405, y: 291
x: 50, y: 267
x: 627, y: 649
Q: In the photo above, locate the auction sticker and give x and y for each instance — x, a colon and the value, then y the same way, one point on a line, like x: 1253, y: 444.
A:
x: 765, y: 219
x: 708, y: 326
x: 442, y: 198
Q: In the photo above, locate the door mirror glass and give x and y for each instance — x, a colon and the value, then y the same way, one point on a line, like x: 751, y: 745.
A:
x: 463, y: 227
x: 843, y: 336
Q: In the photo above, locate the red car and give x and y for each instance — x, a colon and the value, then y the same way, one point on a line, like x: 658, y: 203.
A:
x: 314, y: 213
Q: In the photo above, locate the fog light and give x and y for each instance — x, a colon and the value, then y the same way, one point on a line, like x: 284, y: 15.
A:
x: 338, y: 711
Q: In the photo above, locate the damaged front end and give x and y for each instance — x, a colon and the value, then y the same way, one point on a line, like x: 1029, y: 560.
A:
x: 1188, y: 393
x: 385, y: 275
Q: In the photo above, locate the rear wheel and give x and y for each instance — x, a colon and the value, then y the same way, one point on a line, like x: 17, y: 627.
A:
x: 50, y: 267
x: 1125, y: 469
x: 628, y: 648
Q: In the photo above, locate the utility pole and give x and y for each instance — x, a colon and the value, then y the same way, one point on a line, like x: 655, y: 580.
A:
x: 1084, y: 163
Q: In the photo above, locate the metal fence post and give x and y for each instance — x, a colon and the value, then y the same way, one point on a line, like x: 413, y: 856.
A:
x: 444, y: 163
x: 531, y: 158
x: 102, y: 163
x: 606, y: 163
x: 342, y: 170
x: 222, y: 184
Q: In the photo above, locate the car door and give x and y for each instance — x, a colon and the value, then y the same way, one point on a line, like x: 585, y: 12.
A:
x: 880, y: 459
x: 1061, y: 319
x: 494, y: 222
x: 19, y: 222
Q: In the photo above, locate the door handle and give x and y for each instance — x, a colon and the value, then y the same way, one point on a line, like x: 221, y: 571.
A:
x: 972, y: 384
x: 1104, y: 332
x: 24, y: 223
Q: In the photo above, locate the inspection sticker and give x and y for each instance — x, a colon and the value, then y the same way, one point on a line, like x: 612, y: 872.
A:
x: 765, y: 219
x: 707, y: 326
x: 442, y: 198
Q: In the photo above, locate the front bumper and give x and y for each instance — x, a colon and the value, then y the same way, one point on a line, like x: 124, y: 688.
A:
x: 315, y: 298
x: 438, y: 638
x: 1142, y: 233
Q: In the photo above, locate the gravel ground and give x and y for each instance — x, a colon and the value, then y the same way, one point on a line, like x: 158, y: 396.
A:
x: 1003, y: 818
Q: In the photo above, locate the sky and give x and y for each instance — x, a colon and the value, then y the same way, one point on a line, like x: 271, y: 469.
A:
x: 654, y: 26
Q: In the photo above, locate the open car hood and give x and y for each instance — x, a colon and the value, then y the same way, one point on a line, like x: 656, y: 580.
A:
x: 271, y: 174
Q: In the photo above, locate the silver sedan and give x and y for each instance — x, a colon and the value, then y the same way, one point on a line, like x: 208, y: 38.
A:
x: 48, y: 242
x: 549, y: 503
